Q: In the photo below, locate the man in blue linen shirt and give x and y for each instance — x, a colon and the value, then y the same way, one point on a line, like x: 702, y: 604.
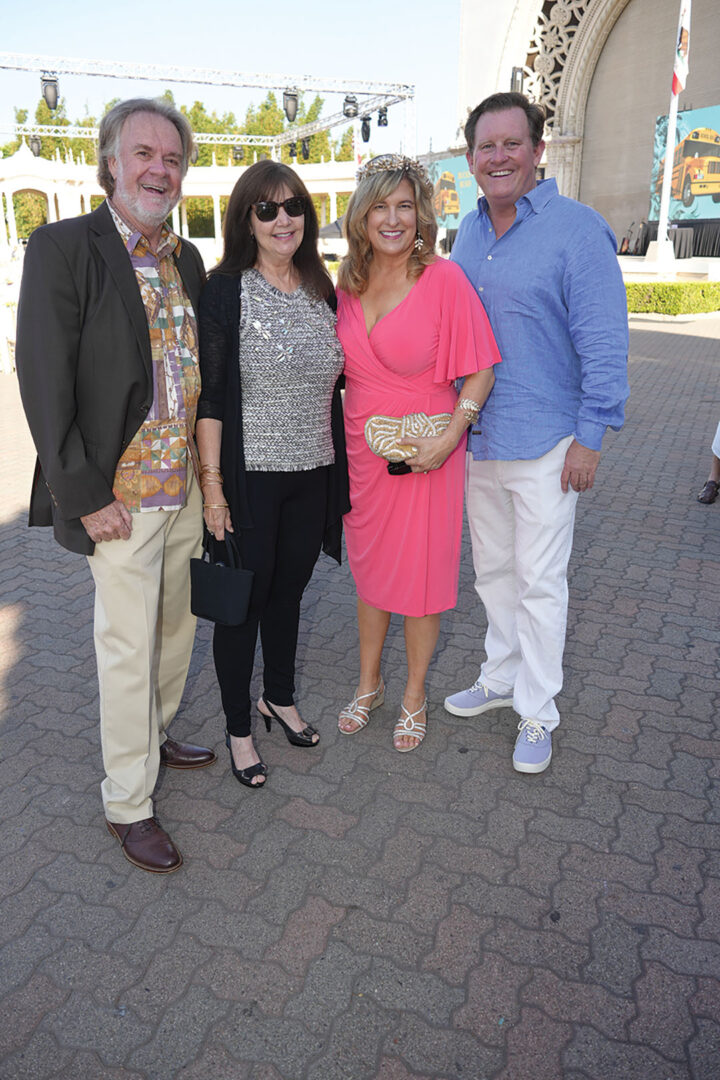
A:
x: 546, y: 270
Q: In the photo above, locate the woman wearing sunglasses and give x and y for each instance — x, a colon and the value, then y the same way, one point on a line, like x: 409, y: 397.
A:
x: 270, y: 438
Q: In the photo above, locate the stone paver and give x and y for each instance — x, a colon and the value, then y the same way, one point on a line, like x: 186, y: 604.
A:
x: 430, y: 916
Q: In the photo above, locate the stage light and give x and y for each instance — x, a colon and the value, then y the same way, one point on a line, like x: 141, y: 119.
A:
x: 350, y: 106
x: 290, y: 104
x: 49, y: 85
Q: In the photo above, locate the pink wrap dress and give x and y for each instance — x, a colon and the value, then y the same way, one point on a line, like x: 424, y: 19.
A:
x: 403, y: 532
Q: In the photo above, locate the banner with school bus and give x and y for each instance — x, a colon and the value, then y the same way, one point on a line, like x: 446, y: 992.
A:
x: 455, y: 190
x: 695, y: 192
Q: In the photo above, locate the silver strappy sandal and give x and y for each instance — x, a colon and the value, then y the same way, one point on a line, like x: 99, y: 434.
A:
x: 408, y: 724
x: 360, y: 714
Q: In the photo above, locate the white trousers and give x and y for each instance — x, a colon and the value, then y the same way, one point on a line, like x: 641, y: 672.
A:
x: 521, y: 524
x: 144, y: 634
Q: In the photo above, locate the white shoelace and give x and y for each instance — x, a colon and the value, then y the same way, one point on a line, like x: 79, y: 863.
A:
x: 534, y: 732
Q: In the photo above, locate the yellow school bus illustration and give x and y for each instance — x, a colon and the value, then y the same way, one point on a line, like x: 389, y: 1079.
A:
x: 447, y: 200
x: 696, y: 167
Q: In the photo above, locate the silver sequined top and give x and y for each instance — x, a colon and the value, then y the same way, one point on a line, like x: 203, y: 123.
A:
x: 290, y: 359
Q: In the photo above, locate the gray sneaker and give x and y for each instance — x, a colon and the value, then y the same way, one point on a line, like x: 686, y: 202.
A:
x: 478, y: 699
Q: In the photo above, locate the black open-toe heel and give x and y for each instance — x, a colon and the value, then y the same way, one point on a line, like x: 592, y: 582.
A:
x: 295, y: 738
x: 245, y: 776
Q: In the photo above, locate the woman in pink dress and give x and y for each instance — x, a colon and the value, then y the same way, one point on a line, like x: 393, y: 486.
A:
x: 410, y: 324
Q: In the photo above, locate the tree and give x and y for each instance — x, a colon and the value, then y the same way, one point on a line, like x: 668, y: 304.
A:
x: 267, y: 118
x: 201, y: 120
x: 200, y: 210
x: 30, y: 208
x: 344, y: 146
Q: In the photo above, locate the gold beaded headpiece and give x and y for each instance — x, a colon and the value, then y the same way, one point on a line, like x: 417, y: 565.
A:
x: 396, y: 163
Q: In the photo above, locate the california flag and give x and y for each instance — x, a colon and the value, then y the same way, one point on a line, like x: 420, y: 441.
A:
x: 680, y: 69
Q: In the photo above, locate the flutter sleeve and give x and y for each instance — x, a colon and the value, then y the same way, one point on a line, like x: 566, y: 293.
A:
x: 466, y: 343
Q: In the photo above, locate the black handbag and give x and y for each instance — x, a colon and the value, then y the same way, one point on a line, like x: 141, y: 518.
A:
x: 219, y: 586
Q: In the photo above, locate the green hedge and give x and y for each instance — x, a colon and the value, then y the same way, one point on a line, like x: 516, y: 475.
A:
x: 673, y: 297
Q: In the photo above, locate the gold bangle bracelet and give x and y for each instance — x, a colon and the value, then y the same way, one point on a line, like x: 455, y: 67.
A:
x: 215, y: 506
x: 470, y: 416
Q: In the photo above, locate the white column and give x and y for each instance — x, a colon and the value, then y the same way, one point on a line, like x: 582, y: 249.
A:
x: 69, y: 202
x: 183, y: 221
x: 12, y: 227
x: 4, y: 243
x: 333, y: 206
x: 217, y: 219
x: 217, y: 216
x: 563, y: 158
x: 176, y: 221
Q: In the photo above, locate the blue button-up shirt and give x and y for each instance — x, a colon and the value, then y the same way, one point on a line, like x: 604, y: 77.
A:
x: 555, y: 298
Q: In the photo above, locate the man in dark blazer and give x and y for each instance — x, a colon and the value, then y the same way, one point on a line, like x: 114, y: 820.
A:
x: 107, y: 362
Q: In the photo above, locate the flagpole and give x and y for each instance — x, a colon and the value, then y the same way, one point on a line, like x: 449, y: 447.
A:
x: 665, y: 248
x: 662, y: 251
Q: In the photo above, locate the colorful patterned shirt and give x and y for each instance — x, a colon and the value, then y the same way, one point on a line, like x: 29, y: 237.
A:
x: 152, y: 473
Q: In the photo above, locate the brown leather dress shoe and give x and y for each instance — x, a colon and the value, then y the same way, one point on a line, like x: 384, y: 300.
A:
x: 146, y: 845
x: 182, y: 755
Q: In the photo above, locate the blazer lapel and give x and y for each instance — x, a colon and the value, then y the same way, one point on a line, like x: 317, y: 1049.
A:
x: 110, y: 247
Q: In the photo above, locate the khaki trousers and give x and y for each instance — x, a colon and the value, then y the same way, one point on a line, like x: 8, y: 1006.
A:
x: 144, y: 634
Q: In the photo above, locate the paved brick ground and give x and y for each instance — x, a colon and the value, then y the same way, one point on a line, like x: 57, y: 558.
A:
x: 372, y: 915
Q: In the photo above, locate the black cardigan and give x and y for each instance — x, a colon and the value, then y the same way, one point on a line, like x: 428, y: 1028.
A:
x: 221, y: 399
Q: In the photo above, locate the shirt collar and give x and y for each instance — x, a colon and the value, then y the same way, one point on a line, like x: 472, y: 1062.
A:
x: 169, y: 241
x: 535, y: 200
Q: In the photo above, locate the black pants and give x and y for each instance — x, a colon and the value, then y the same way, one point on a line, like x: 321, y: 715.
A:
x: 288, y: 509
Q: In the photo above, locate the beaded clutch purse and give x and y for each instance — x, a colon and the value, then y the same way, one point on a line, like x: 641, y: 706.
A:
x: 383, y: 433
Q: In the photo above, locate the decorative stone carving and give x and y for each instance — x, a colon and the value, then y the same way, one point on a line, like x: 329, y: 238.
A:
x: 564, y: 49
x: 549, y: 50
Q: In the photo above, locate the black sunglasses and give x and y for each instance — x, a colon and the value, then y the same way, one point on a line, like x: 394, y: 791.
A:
x: 267, y: 210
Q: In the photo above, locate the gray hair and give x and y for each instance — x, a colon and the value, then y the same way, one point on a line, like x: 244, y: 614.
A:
x: 113, y: 122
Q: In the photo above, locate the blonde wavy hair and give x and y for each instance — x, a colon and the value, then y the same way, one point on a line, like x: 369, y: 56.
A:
x: 374, y: 186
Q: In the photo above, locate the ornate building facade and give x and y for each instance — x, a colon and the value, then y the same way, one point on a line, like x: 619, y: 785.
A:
x: 603, y: 69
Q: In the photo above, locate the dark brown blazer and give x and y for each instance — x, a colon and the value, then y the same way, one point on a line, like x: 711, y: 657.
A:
x: 84, y: 364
